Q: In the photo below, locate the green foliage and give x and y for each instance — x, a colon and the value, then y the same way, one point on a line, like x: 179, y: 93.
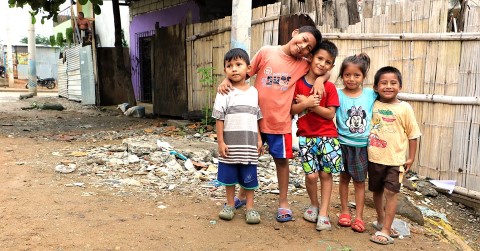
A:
x: 124, y: 41
x: 52, y: 40
x: 60, y: 41
x: 69, y: 34
x: 208, y: 82
x: 39, y: 39
x: 50, y: 9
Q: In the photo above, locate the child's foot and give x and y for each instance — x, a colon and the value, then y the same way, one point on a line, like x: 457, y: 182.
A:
x: 323, y: 223
x: 345, y: 220
x: 358, y: 225
x: 311, y: 214
x: 252, y: 216
x: 227, y: 213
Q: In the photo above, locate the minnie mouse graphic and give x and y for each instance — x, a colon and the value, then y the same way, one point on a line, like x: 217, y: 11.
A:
x: 356, y: 121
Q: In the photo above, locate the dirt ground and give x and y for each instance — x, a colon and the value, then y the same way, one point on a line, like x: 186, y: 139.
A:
x: 39, y: 212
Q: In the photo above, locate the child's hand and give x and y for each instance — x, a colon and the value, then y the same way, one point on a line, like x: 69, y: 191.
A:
x: 312, y: 101
x: 260, y: 147
x: 319, y: 86
x: 300, y: 98
x: 408, y: 164
x: 222, y: 149
x: 225, y: 87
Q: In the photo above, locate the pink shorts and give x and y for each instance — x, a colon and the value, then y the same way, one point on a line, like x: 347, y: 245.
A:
x: 279, y: 145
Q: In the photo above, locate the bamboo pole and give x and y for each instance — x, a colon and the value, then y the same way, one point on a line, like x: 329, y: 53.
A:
x: 442, y: 99
x: 471, y: 36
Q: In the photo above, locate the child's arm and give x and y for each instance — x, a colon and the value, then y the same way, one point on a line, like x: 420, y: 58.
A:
x: 319, y: 86
x: 222, y: 147
x: 324, y: 112
x: 303, y: 103
x: 412, y: 150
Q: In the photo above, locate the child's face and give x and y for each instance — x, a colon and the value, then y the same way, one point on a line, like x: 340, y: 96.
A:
x: 388, y: 88
x: 352, y: 77
x: 301, y: 44
x: 321, y: 63
x: 236, y: 70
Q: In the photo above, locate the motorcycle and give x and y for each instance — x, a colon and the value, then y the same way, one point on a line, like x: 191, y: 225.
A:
x: 44, y: 82
x: 2, y: 71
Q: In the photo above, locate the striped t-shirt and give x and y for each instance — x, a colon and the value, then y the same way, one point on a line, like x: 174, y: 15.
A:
x: 240, y: 112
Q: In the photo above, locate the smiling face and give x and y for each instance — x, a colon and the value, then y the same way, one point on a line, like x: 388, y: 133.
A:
x: 301, y: 44
x: 388, y: 87
x: 236, y: 70
x: 321, y: 63
x: 352, y: 77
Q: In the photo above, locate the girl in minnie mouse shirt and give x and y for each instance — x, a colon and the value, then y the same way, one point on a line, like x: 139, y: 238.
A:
x: 353, y: 123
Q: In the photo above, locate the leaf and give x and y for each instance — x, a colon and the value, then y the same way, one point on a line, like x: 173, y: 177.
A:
x: 83, y: 2
x: 97, y: 10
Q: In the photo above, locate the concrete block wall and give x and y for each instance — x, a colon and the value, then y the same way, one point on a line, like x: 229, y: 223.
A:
x: 144, y: 6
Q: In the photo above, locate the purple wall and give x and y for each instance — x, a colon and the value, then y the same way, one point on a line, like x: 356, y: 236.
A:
x: 143, y: 25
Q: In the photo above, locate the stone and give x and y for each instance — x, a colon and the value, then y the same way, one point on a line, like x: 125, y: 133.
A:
x: 408, y: 210
x: 177, y: 123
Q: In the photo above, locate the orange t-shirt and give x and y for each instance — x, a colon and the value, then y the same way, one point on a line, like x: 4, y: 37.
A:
x: 275, y: 81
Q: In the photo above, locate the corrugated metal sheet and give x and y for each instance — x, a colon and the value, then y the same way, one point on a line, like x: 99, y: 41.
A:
x: 86, y: 70
x: 74, y: 88
x: 62, y: 80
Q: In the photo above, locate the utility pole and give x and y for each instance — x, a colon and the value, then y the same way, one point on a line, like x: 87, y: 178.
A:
x: 9, y: 66
x: 32, y: 63
x: 241, y: 24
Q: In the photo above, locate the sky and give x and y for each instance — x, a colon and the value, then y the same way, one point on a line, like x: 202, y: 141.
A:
x: 18, y: 19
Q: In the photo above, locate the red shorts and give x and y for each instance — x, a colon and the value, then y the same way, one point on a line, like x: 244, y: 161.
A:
x: 279, y: 145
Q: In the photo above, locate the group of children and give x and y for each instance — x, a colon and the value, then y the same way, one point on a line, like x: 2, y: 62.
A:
x: 370, y: 135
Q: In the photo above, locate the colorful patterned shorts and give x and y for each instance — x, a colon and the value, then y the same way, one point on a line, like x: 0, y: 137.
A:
x: 320, y: 154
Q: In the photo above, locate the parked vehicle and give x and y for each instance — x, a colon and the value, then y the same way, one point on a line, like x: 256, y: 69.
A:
x: 44, y: 82
x: 2, y: 71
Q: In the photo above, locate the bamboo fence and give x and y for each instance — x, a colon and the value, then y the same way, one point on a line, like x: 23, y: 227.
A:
x: 440, y: 70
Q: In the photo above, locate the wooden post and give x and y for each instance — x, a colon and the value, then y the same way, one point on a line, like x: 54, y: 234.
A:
x: 241, y: 24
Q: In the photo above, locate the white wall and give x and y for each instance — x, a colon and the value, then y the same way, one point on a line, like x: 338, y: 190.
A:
x: 104, y: 24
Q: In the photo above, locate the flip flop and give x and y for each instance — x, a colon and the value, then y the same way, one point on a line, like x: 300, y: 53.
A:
x: 284, y: 214
x: 345, y: 220
x: 239, y: 203
x: 393, y: 232
x: 388, y: 239
x: 358, y: 225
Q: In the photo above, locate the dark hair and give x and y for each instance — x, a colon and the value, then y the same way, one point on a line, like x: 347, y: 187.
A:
x: 314, y: 31
x: 328, y: 46
x: 81, y: 13
x: 236, y: 53
x: 362, y: 60
x: 385, y: 70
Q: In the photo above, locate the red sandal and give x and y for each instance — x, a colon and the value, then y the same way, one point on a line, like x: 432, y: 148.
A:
x: 345, y: 220
x: 358, y: 225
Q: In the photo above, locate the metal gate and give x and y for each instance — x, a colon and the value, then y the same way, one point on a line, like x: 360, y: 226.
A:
x: 74, y: 87
x: 86, y: 72
x: 62, y: 78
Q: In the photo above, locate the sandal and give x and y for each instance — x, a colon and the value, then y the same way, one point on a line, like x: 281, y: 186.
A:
x: 227, y: 213
x: 381, y: 238
x: 239, y: 203
x: 284, y: 214
x: 393, y: 232
x: 323, y: 223
x: 252, y: 216
x: 345, y: 220
x: 358, y: 225
x: 311, y: 214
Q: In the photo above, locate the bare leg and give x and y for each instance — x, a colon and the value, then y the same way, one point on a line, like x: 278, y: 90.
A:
x: 343, y: 189
x: 283, y: 174
x: 311, y: 184
x: 390, y: 209
x: 230, y: 190
x: 326, y: 184
x: 241, y: 193
x: 359, y: 199
x: 378, y: 201
x: 249, y: 195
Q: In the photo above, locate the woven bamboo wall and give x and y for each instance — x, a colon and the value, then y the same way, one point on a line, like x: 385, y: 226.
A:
x: 449, y: 147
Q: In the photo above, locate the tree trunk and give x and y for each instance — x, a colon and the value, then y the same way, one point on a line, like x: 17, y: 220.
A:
x: 122, y: 76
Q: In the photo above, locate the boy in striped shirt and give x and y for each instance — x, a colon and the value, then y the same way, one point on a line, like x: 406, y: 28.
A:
x: 239, y: 141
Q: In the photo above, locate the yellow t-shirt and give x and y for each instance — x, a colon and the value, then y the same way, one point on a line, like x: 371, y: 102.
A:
x: 392, y: 126
x: 275, y: 81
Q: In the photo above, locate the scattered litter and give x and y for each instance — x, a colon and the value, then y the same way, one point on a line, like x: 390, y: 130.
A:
x: 427, y: 212
x: 164, y: 145
x: 66, y: 168
x: 162, y: 206
x: 448, y: 185
x: 213, y: 222
x: 189, y: 165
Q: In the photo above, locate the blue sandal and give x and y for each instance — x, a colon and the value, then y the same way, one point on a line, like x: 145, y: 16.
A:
x: 239, y: 203
x: 284, y: 214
